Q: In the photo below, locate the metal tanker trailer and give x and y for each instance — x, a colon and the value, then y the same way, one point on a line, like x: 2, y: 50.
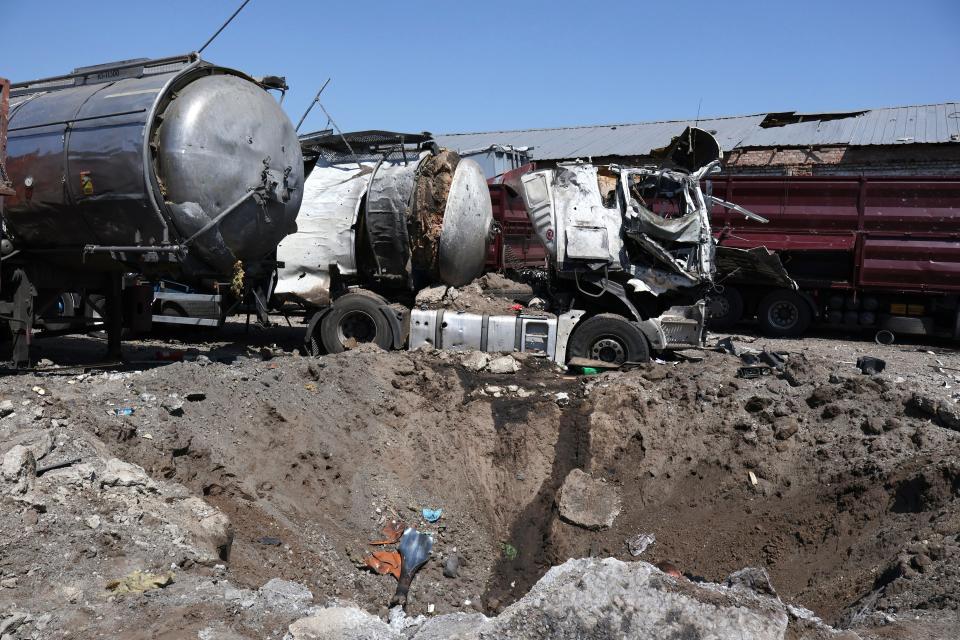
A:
x: 384, y: 214
x: 172, y: 168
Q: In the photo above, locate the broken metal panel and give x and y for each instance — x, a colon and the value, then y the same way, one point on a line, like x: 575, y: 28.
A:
x: 758, y: 266
x: 602, y: 219
x: 325, y: 236
x: 389, y: 195
x: 584, y: 227
x: 538, y: 198
x: 693, y: 149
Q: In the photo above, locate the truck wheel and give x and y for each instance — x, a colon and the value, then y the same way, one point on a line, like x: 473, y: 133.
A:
x: 610, y: 338
x: 355, y: 319
x: 726, y: 309
x: 784, y: 314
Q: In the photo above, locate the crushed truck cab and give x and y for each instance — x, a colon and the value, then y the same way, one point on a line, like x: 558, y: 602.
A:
x: 632, y: 241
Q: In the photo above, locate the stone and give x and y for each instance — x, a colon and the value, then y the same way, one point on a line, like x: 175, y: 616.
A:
x: 118, y: 473
x: 19, y: 468
x: 41, y: 446
x: 92, y: 521
x: 13, y: 621
x: 451, y: 568
x: 431, y: 296
x: 6, y: 408
x: 872, y: 426
x: 785, y: 428
x: 597, y: 599
x: 949, y: 415
x: 891, y: 424
x: 924, y: 404
x: 285, y: 594
x: 753, y: 579
x: 341, y: 623
x: 209, y: 528
x: 8, y: 583
x: 503, y: 364
x: 173, y: 405
x: 588, y: 502
x: 475, y: 361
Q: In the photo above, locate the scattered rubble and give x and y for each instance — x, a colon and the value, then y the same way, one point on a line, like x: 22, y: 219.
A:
x: 607, y: 598
x: 274, y: 453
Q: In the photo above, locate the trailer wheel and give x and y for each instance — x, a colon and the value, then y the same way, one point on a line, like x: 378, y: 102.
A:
x: 355, y: 319
x: 726, y: 309
x: 784, y: 314
x: 610, y: 338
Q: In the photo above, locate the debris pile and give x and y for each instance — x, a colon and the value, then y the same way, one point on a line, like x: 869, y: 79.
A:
x: 256, y: 489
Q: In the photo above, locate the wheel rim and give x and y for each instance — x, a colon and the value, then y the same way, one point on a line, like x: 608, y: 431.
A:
x: 608, y: 350
x: 719, y: 307
x: 783, y: 314
x: 358, y: 326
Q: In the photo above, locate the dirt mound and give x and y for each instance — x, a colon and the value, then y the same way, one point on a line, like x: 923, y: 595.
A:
x: 831, y: 481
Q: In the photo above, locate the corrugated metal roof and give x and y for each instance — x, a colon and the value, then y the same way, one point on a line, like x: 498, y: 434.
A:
x: 928, y: 124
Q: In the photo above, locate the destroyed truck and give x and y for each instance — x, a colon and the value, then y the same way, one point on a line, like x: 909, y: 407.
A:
x: 623, y: 281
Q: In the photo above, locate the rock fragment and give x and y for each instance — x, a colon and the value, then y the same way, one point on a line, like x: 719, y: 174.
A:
x: 588, y: 502
x: 19, y: 468
x: 503, y: 364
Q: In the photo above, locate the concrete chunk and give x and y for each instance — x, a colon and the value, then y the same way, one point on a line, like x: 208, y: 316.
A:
x: 588, y: 502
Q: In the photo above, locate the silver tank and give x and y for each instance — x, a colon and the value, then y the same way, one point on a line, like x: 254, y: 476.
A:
x: 191, y: 165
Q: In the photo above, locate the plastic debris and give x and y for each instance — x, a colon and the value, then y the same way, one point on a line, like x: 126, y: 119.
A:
x: 639, y: 543
x: 123, y: 411
x: 384, y: 562
x: 140, y: 581
x: 270, y: 541
x: 414, y: 550
x: 753, y: 478
x: 391, y: 531
x: 432, y: 515
x: 509, y: 551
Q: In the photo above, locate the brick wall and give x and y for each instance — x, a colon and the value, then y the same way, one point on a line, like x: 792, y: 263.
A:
x: 905, y: 160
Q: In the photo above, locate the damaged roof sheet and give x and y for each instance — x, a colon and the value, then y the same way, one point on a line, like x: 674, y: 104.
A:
x: 927, y: 124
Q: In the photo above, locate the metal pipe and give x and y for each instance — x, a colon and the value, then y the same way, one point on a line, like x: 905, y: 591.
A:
x: 221, y: 216
x: 315, y: 100
x: 93, y: 248
x: 222, y: 27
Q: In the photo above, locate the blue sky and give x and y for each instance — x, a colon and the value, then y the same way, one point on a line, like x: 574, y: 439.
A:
x: 466, y: 66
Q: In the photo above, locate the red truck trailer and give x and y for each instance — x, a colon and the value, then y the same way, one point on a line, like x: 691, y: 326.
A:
x: 515, y: 246
x: 869, y: 253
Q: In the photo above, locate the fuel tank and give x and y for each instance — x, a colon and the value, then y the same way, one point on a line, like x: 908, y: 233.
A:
x: 186, y: 166
x: 385, y: 209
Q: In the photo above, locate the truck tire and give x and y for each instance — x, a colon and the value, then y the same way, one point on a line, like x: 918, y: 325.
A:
x: 610, y: 338
x: 355, y: 319
x: 784, y: 314
x: 726, y: 309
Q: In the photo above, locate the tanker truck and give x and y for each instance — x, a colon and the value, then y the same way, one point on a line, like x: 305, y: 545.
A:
x: 132, y: 173
x: 386, y: 214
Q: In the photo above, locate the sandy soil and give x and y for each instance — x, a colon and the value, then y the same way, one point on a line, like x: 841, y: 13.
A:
x: 840, y: 484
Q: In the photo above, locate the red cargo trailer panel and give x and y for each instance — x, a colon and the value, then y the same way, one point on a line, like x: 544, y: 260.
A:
x: 910, y: 264
x: 913, y: 206
x: 741, y: 239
